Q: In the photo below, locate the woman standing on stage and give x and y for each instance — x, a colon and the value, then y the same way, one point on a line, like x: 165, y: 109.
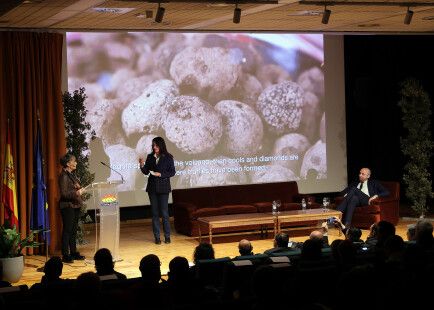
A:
x: 160, y: 167
x: 70, y: 204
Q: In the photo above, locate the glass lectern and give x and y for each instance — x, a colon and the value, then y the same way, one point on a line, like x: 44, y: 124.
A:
x: 106, y: 206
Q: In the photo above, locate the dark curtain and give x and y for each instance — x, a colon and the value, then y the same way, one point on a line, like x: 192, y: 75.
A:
x: 30, y: 82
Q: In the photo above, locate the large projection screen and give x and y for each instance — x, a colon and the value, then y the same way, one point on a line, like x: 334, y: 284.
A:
x: 233, y: 108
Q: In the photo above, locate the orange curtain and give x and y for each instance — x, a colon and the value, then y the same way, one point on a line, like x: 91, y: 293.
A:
x: 30, y: 82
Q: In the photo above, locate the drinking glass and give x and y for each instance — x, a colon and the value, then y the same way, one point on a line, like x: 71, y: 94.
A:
x: 275, y: 207
x: 325, y: 203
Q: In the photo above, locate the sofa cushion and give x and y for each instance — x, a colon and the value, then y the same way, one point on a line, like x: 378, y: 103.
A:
x: 263, y: 207
x: 207, y: 212
x: 239, y: 209
x: 290, y: 206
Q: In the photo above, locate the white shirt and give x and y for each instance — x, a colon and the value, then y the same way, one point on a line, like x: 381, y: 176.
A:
x: 157, y: 158
x: 364, y: 188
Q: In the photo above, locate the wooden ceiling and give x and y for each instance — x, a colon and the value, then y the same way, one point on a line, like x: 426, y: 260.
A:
x: 372, y: 16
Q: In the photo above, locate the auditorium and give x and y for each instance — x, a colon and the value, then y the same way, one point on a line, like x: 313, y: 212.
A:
x: 240, y: 154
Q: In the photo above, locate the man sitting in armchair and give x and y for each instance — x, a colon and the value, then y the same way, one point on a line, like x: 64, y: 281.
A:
x: 360, y: 193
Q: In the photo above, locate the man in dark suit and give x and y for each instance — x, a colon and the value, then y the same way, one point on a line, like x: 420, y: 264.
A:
x: 280, y: 244
x: 360, y: 193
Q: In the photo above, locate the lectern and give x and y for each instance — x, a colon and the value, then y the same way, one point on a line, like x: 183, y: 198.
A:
x: 106, y: 206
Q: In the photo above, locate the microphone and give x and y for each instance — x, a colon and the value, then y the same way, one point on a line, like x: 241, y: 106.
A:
x: 104, y: 164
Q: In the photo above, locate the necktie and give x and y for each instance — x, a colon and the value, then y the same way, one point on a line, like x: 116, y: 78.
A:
x: 360, y: 185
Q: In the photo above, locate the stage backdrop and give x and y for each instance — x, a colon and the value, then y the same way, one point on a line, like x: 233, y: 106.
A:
x: 234, y: 108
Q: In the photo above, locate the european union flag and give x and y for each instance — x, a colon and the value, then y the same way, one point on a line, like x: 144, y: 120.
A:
x: 39, y: 214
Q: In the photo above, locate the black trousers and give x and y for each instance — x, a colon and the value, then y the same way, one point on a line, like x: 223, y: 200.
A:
x: 69, y: 233
x: 353, y: 199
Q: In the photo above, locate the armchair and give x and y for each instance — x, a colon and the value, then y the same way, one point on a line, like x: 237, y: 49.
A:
x: 381, y: 209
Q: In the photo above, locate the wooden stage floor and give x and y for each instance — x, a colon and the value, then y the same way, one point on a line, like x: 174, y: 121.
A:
x: 136, y: 241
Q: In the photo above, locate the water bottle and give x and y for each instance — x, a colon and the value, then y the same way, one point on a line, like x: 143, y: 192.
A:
x: 274, y: 208
x: 303, y: 204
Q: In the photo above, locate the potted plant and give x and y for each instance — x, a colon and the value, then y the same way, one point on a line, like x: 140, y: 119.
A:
x: 416, y: 144
x: 11, y: 247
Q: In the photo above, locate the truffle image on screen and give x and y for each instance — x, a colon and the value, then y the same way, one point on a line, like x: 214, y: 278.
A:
x: 233, y: 108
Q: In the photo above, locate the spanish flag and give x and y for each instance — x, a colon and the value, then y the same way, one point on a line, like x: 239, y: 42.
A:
x: 9, y: 191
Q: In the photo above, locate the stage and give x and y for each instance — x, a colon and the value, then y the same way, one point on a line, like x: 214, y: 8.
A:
x: 136, y: 241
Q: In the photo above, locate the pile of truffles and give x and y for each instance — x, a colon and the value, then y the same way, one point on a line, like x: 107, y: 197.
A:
x: 209, y: 96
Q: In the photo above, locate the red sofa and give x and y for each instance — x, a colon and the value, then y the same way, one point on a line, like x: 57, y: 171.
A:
x: 381, y: 209
x: 190, y: 204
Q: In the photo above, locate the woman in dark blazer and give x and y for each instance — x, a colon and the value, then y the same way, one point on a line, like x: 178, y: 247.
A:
x: 160, y: 167
x: 70, y: 204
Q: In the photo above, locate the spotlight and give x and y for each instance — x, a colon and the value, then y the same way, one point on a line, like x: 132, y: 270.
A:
x: 408, y: 17
x: 326, y: 16
x: 237, y: 15
x: 160, y: 14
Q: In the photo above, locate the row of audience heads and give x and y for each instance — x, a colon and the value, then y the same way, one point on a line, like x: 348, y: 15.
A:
x: 421, y: 232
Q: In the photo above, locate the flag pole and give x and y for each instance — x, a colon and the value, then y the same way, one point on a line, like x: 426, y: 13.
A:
x: 45, y: 231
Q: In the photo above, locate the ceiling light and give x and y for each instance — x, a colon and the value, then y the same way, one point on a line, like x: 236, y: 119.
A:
x: 237, y: 14
x: 408, y: 16
x: 160, y: 14
x: 326, y: 16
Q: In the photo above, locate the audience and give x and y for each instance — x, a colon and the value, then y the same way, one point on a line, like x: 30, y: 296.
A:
x: 203, y: 251
x: 280, y: 244
x: 150, y: 289
x: 318, y: 235
x: 424, y: 234
x: 104, y: 264
x: 52, y: 272
x: 311, y: 249
x: 411, y: 232
x: 180, y: 283
x: 354, y: 234
x: 395, y: 265
x: 245, y: 248
x: 372, y: 239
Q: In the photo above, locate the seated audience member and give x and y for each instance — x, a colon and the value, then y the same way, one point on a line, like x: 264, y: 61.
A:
x: 150, y: 290
x: 424, y: 234
x: 394, y: 248
x: 344, y: 254
x: 311, y: 249
x: 385, y: 230
x: 180, y: 282
x: 411, y: 232
x: 2, y: 282
x: 52, y: 272
x: 353, y: 234
x: 317, y: 235
x: 245, y: 248
x: 104, y: 264
x: 420, y: 254
x: 372, y: 239
x: 265, y: 287
x: 150, y: 270
x: 338, y: 223
x: 203, y: 251
x: 280, y: 244
x: 88, y: 286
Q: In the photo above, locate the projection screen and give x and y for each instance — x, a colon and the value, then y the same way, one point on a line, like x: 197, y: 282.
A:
x: 233, y: 108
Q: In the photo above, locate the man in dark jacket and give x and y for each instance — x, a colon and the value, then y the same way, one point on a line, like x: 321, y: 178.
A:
x: 360, y: 193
